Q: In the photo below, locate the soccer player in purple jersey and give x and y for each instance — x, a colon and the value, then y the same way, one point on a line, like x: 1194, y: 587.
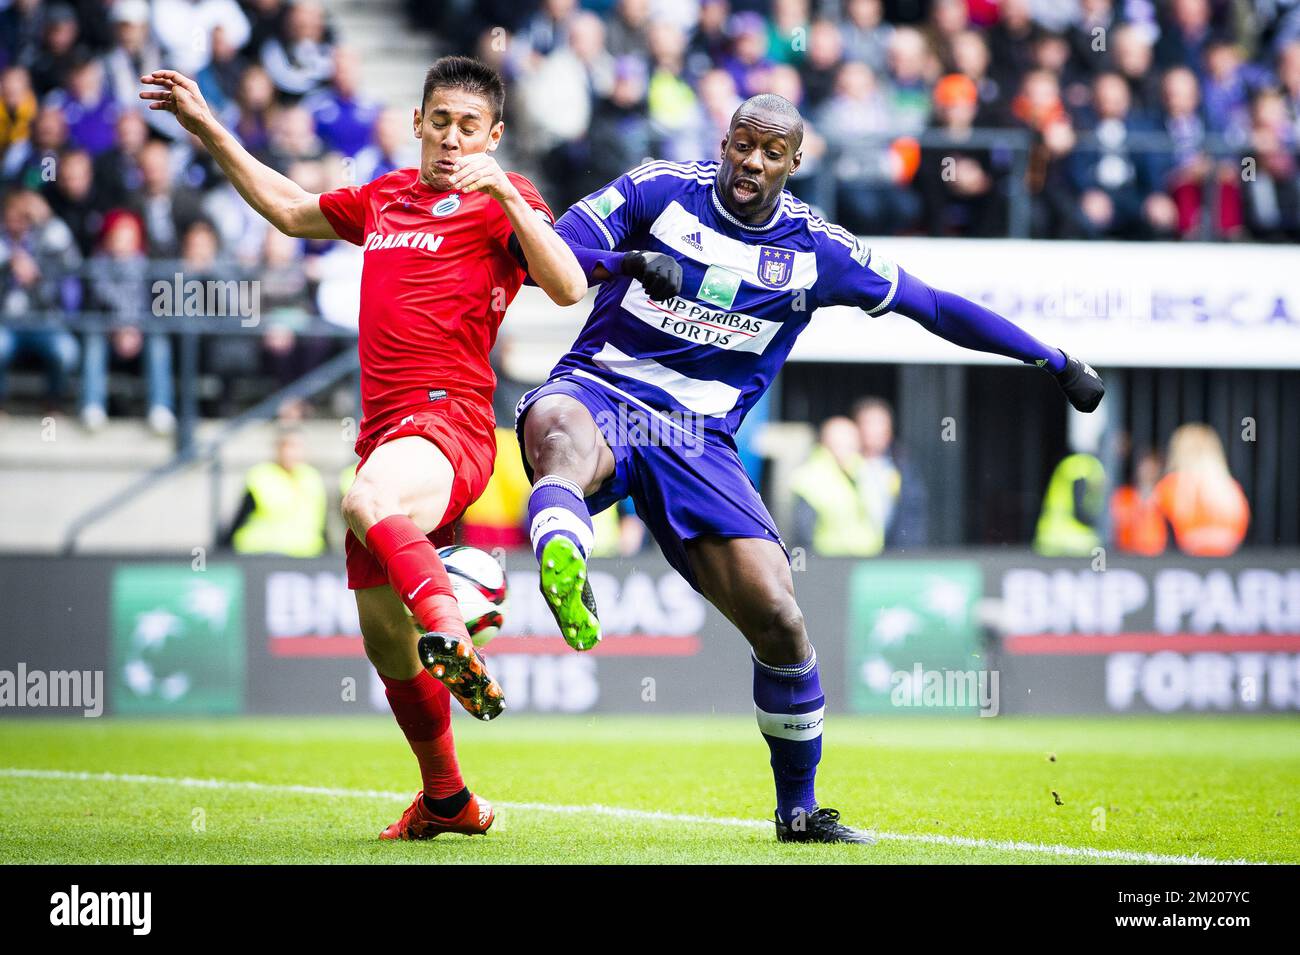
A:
x: 708, y: 273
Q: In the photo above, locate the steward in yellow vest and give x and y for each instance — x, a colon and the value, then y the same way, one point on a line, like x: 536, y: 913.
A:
x: 284, y: 505
x: 841, y: 524
x: 1072, y: 506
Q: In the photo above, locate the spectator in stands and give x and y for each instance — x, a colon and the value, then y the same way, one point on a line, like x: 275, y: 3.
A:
x: 911, y: 68
x: 1271, y: 192
x: 1205, y: 507
x: 1288, y: 75
x: 970, y: 54
x: 119, y: 285
x: 868, y: 171
x: 1189, y: 167
x: 287, y: 305
x: 831, y: 514
x: 87, y: 105
x: 895, y: 493
x: 344, y: 118
x: 300, y: 59
x: 1136, y: 520
x: 1184, y: 34
x: 264, y: 19
x: 957, y: 183
x: 620, y: 128
x: 625, y: 29
x: 1118, y: 186
x: 37, y: 255
x: 787, y: 39
x: 292, y: 138
x: 32, y: 163
x: 548, y: 29
x: 165, y: 210
x: 671, y: 104
x: 1073, y: 506
x: 284, y: 505
x: 117, y: 169
x: 1038, y: 108
x: 866, y: 35
x: 748, y: 58
x: 134, y: 53
x: 709, y: 40
x: 18, y: 107
x: 254, y: 103
x: 1011, y: 44
x: 20, y: 29
x: 1089, y: 37
x: 219, y: 80
x: 718, y: 100
x: 1134, y: 58
x: 391, y: 147
x: 74, y: 198
x: 821, y: 66
x: 948, y: 19
x: 184, y: 29
x: 1226, y: 87
x: 59, y: 49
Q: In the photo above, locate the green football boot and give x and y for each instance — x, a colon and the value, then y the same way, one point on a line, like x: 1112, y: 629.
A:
x: 568, y: 592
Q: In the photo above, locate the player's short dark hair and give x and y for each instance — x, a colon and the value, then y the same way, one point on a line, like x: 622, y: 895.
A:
x: 469, y: 74
x: 775, y: 105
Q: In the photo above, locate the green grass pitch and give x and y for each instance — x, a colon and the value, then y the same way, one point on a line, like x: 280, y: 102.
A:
x: 653, y: 789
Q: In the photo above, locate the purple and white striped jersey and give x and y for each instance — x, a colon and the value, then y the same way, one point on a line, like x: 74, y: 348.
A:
x: 747, y: 292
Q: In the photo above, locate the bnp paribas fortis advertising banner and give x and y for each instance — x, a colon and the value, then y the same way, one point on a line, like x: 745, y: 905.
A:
x: 911, y: 626
x: 178, y: 639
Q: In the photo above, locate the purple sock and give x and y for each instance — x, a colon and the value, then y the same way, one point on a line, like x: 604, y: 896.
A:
x: 790, y: 707
x: 556, y: 507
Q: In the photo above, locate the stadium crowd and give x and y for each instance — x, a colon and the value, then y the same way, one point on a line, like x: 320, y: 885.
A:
x: 1130, y: 119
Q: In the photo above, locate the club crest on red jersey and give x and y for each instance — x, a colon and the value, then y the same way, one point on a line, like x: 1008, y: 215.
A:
x: 446, y: 205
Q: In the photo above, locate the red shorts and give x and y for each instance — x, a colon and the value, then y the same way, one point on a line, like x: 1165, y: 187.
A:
x: 462, y: 432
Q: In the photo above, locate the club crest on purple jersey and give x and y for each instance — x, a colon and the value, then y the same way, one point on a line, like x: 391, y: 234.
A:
x: 774, y: 266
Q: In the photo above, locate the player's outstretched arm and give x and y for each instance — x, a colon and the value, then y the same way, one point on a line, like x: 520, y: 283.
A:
x: 660, y: 274
x: 550, y: 263
x: 971, y: 325
x: 276, y: 198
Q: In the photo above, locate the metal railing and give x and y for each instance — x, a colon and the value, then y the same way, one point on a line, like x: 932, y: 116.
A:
x: 315, y: 381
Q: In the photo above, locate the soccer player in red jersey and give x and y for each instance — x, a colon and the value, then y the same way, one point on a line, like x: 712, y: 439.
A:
x: 447, y: 246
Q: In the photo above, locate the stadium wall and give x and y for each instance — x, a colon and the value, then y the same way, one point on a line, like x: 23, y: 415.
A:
x: 974, y: 632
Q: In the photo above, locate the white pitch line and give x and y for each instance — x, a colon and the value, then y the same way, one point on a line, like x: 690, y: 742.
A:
x: 617, y: 812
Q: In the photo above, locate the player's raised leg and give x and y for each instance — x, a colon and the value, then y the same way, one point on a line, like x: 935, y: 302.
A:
x: 422, y: 707
x: 569, y: 459
x: 749, y: 580
x: 400, y: 495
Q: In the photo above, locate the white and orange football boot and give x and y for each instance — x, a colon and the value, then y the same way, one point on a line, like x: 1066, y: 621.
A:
x: 419, y: 823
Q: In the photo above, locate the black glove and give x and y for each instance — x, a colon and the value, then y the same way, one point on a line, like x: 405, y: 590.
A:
x: 1082, y: 385
x: 660, y: 274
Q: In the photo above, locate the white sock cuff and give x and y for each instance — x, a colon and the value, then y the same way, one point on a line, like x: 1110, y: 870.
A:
x: 552, y: 480
x: 791, y: 670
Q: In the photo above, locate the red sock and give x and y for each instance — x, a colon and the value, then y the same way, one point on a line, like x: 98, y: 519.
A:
x: 422, y: 706
x: 416, y: 574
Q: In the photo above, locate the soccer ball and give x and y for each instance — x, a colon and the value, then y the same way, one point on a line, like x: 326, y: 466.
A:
x: 479, y: 584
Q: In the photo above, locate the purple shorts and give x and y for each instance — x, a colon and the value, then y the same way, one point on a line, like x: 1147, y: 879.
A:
x: 685, y: 481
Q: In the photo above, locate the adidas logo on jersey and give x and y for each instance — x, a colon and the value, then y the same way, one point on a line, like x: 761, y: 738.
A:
x: 428, y: 241
x: 693, y: 240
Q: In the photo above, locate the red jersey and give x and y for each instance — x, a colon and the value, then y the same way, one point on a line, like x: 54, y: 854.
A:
x: 437, y: 278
